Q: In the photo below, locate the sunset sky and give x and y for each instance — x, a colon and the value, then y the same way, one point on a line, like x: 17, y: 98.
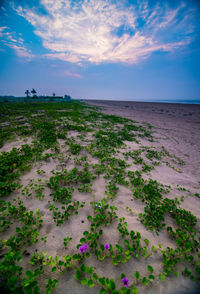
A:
x: 123, y: 50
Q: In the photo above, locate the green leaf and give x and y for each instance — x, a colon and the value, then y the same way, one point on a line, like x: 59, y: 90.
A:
x: 87, y: 255
x: 126, y: 242
x: 120, y: 248
x: 134, y: 290
x: 137, y: 275
x: 122, y: 276
x: 29, y: 273
x: 102, y: 281
x: 54, y: 269
x: 124, y: 290
x: 90, y: 270
x: 54, y: 283
x: 114, y: 262
x: 95, y: 277
x: 176, y: 273
x: 60, y: 263
x: 154, y: 249
x: 26, y: 282
x: 150, y: 268
x: 162, y: 277
x: 107, y: 282
x: 83, y: 269
x: 102, y: 247
x: 84, y: 282
x: 78, y: 275
x: 145, y: 281
x: 119, y: 258
x: 103, y: 291
x: 101, y: 258
x: 112, y: 284
x: 90, y: 283
x: 151, y: 278
x: 76, y: 256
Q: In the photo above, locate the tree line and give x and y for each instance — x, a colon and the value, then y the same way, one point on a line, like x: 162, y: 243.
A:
x: 33, y: 92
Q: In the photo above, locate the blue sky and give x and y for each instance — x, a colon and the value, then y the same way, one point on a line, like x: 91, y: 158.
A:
x: 101, y: 49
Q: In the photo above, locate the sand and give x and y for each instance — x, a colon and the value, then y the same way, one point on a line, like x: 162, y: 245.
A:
x: 177, y: 128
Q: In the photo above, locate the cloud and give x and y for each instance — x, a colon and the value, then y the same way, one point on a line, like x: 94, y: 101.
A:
x: 72, y: 74
x: 16, y: 43
x: 2, y: 29
x: 21, y: 51
x: 105, y: 31
x: 63, y: 56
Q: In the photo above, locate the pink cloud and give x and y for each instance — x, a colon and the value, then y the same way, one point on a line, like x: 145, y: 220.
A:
x: 73, y: 74
x: 85, y: 31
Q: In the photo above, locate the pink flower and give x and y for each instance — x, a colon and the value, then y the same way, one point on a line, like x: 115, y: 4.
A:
x: 83, y: 248
x: 106, y: 246
x: 125, y: 282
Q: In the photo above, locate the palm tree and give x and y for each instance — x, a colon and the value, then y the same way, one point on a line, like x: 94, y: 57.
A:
x: 27, y: 93
x: 34, y: 93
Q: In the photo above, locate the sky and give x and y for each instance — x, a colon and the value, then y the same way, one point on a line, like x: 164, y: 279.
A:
x: 101, y: 49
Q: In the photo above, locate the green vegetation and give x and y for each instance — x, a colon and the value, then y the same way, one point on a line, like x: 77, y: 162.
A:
x: 85, y: 146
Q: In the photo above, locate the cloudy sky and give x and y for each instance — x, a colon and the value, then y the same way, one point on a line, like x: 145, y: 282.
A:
x: 101, y: 49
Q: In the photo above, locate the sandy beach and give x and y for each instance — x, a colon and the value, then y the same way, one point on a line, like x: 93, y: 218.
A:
x: 177, y: 127
x: 99, y: 195
x: 160, y: 141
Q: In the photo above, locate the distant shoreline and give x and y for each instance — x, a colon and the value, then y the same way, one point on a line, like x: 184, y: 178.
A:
x: 190, y: 102
x: 149, y: 111
x: 62, y: 99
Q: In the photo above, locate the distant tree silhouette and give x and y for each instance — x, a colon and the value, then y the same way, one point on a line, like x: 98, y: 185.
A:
x: 67, y: 97
x: 54, y: 95
x: 27, y: 93
x: 34, y: 93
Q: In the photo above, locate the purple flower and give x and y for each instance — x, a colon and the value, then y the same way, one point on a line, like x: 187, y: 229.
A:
x: 106, y: 246
x: 83, y: 248
x: 125, y: 282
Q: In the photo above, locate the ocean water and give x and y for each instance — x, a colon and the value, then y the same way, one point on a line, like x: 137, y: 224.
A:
x: 189, y: 101
x: 179, y: 101
x: 175, y: 101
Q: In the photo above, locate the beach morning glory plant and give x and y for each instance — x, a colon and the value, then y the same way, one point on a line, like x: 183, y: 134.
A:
x: 83, y: 248
x: 125, y: 282
x: 106, y: 246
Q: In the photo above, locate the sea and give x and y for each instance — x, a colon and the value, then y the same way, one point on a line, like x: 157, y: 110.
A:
x: 175, y: 101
